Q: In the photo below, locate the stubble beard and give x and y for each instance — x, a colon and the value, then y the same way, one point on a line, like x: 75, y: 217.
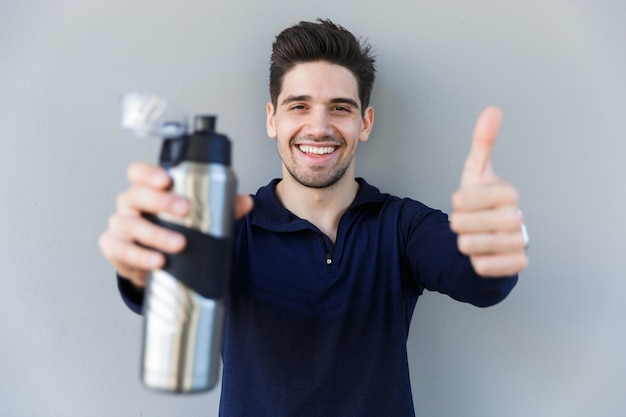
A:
x: 322, y: 180
x: 318, y: 182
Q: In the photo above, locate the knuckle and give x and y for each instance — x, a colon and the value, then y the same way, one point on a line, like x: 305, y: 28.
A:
x: 133, y: 169
x: 134, y: 258
x: 480, y: 266
x: 513, y: 195
x: 122, y: 226
x: 508, y: 219
x: 154, y: 201
x: 121, y: 200
x: 136, y: 228
x: 464, y: 245
x: 454, y: 222
x: 150, y: 234
x: 523, y: 263
x: 513, y: 223
x: 117, y: 255
x: 457, y: 199
x: 165, y: 201
x: 110, y: 249
x: 519, y: 243
x: 113, y: 223
x: 103, y: 244
x: 500, y: 266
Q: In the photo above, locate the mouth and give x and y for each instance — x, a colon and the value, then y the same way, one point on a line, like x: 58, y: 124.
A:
x: 316, y: 150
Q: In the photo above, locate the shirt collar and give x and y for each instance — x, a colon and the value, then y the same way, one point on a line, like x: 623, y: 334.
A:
x: 269, y: 213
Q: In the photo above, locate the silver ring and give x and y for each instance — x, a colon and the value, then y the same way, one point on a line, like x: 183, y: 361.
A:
x: 524, y: 231
x: 525, y: 236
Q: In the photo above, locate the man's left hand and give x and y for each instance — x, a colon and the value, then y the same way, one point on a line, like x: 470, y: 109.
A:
x: 486, y: 213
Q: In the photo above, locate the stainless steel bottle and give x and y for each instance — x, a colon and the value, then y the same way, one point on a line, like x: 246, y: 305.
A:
x: 184, y: 302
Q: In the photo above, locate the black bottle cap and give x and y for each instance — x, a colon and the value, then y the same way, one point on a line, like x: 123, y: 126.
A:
x: 203, y: 145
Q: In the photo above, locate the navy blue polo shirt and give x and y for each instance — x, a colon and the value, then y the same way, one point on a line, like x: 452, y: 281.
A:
x: 320, y: 329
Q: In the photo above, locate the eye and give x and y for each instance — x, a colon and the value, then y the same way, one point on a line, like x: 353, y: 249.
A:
x: 342, y: 109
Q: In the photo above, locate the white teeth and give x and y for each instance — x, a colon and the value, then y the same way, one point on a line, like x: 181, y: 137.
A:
x: 316, y: 150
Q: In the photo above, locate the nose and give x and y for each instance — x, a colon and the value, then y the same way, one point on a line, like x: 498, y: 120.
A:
x: 319, y: 123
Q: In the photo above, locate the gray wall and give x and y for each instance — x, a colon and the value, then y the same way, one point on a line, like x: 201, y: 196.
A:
x: 555, y: 347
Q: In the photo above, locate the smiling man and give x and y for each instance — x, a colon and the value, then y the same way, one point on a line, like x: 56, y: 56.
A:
x: 327, y: 270
x: 318, y: 122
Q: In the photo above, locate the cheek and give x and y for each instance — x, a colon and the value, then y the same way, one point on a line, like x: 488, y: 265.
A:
x: 352, y: 133
x: 286, y: 129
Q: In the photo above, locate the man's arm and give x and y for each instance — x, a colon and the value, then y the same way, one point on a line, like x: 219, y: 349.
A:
x: 438, y: 265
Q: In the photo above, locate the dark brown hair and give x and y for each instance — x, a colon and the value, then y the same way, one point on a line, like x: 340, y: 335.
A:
x: 322, y: 41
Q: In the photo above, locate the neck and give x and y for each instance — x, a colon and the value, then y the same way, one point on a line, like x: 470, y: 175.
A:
x: 323, y: 207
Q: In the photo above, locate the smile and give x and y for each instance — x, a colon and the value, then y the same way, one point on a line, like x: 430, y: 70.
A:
x: 316, y: 150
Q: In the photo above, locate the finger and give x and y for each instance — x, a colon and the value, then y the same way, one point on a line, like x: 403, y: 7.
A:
x: 478, y: 162
x: 486, y: 196
x: 138, y: 229
x: 138, y: 277
x: 502, y: 265
x: 243, y: 205
x: 501, y: 219
x: 490, y: 243
x: 128, y: 255
x: 150, y: 175
x: 144, y: 199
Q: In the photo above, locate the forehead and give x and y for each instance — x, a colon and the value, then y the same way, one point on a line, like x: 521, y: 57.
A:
x: 320, y: 80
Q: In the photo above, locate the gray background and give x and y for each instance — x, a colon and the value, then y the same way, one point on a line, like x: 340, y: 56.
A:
x: 555, y: 347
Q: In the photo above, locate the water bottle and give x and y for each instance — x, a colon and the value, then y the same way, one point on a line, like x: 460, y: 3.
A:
x: 184, y: 302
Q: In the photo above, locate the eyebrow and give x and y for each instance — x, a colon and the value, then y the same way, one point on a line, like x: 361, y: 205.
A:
x: 337, y: 100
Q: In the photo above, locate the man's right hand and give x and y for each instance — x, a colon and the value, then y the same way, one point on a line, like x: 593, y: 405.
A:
x: 126, y: 242
x: 133, y: 244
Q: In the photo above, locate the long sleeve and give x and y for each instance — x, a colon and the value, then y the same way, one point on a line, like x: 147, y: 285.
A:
x: 132, y: 297
x: 438, y: 265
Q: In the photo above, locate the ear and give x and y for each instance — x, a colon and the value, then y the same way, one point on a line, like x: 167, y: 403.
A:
x: 270, y: 125
x: 367, y: 124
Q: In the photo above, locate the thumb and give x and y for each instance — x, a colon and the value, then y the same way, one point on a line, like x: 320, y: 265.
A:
x: 477, y: 167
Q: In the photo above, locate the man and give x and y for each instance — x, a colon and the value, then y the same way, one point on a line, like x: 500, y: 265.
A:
x: 327, y: 270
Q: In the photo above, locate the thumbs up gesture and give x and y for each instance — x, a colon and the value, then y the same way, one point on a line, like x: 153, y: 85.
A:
x: 485, y: 214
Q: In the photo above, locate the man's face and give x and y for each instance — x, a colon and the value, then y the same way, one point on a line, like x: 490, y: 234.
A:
x: 318, y: 123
